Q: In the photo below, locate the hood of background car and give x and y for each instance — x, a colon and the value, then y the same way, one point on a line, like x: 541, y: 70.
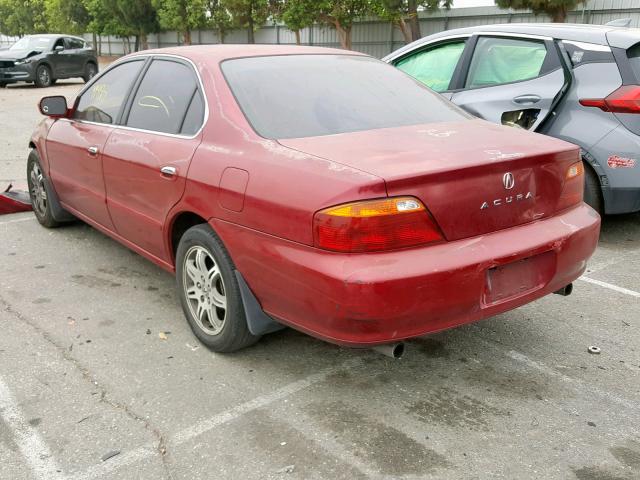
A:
x: 17, y: 54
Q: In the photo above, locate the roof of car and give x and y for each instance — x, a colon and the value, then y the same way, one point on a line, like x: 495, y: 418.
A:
x: 220, y: 52
x: 598, y: 34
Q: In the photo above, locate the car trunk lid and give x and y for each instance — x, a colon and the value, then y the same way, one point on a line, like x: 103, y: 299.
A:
x: 474, y: 177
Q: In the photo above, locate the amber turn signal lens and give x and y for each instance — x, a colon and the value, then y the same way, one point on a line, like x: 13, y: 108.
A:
x: 375, y: 225
x: 575, y: 170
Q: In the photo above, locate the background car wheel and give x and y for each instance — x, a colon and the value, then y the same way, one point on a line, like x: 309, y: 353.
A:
x: 38, y: 192
x: 43, y: 76
x: 592, y: 190
x: 90, y: 71
x: 209, y: 292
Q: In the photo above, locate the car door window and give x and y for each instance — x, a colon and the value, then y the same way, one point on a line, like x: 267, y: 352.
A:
x: 163, y: 98
x: 74, y: 43
x: 59, y: 43
x: 194, y: 116
x: 505, y: 60
x: 102, y: 101
x: 435, y: 66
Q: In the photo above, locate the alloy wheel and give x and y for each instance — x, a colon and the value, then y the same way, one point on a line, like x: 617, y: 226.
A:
x: 37, y: 191
x: 204, y: 290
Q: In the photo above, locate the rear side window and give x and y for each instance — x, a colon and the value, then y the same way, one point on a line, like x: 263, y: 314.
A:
x: 162, y: 101
x: 433, y: 67
x: 634, y: 59
x: 102, y: 101
x: 295, y: 96
x: 504, y: 60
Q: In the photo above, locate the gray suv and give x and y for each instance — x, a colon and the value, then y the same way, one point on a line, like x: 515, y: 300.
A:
x: 44, y: 59
x: 580, y: 83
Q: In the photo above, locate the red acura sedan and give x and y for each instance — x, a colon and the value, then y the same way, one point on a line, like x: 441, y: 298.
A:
x: 315, y: 188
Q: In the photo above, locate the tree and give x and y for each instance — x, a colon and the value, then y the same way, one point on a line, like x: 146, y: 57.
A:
x: 295, y: 14
x: 68, y: 16
x: 403, y: 14
x: 22, y: 17
x: 249, y: 14
x: 218, y: 18
x: 128, y: 17
x: 556, y: 9
x: 341, y: 14
x: 181, y: 15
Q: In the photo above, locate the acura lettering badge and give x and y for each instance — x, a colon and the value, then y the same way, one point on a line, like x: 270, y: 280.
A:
x: 509, y: 182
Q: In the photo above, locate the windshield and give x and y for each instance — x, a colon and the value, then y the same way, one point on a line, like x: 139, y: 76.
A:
x: 294, y: 96
x: 32, y: 43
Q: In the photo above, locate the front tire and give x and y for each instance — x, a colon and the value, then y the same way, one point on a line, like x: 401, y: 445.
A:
x: 209, y: 292
x: 40, y: 201
x: 90, y: 71
x: 592, y: 190
x: 43, y: 76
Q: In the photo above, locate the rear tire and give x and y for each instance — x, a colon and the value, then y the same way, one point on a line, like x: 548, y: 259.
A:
x: 593, y: 190
x: 209, y: 291
x: 40, y: 200
x: 90, y: 71
x: 43, y: 77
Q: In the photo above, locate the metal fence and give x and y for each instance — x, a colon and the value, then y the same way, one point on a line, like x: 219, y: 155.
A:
x: 376, y: 37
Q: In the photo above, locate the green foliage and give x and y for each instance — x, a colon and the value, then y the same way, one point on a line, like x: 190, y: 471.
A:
x: 21, y: 17
x: 67, y: 16
x: 250, y: 14
x: 218, y: 18
x: 556, y: 9
x: 181, y: 15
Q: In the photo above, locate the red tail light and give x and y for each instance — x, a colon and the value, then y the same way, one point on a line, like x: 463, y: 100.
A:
x: 375, y: 225
x: 626, y: 99
x: 573, y: 189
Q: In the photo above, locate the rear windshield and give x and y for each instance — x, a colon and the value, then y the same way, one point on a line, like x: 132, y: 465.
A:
x: 297, y: 96
x: 634, y: 59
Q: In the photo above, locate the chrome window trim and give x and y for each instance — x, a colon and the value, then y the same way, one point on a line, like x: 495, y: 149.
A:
x: 590, y: 47
x: 426, y: 45
x: 133, y: 129
x: 514, y: 35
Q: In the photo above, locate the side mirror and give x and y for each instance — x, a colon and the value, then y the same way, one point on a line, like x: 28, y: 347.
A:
x: 58, y: 48
x: 55, y: 107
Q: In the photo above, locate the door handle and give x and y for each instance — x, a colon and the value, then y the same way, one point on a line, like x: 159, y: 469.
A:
x: 92, y: 150
x: 526, y: 99
x: 168, y: 171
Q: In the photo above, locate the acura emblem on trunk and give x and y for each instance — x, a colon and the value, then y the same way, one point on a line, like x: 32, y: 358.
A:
x: 508, y: 181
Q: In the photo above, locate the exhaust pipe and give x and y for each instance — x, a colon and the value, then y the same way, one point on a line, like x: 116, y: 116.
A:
x: 393, y: 350
x: 565, y: 291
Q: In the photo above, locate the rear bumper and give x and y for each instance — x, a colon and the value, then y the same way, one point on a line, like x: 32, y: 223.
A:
x: 365, y: 299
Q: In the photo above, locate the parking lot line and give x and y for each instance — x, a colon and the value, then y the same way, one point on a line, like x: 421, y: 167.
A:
x: 221, y: 418
x: 579, y: 385
x: 31, y: 445
x: 615, y: 288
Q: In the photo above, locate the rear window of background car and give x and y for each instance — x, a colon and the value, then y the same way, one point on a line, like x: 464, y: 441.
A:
x: 504, y: 60
x: 433, y: 67
x: 102, y: 101
x: 295, y: 96
x: 167, y: 100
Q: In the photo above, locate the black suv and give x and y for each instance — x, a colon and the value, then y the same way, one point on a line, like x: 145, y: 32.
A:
x: 43, y: 59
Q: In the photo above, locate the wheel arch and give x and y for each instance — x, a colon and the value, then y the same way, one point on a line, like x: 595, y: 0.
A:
x: 179, y: 224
